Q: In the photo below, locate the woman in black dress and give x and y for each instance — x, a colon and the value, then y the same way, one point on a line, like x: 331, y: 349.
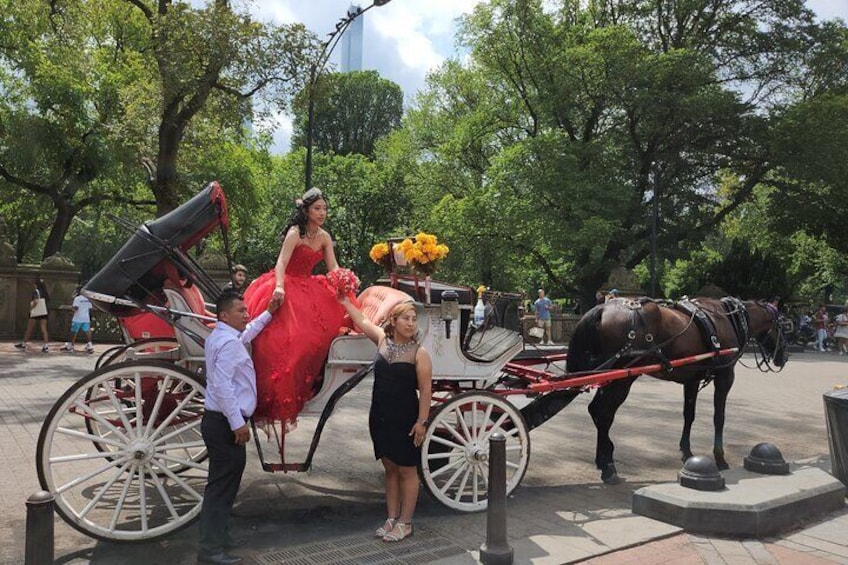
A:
x: 400, y: 406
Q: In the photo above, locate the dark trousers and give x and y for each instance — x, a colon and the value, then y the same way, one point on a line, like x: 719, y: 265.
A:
x: 226, y: 465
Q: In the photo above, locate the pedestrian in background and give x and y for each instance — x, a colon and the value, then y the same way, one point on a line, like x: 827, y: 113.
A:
x: 820, y: 321
x: 37, y: 315
x: 81, y: 321
x: 543, y: 307
x: 230, y: 402
x: 238, y: 282
x: 841, y: 333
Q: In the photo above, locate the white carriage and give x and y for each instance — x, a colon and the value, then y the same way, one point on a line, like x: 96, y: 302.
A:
x: 121, y: 449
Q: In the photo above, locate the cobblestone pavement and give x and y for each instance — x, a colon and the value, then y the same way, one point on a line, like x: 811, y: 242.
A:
x: 561, y: 513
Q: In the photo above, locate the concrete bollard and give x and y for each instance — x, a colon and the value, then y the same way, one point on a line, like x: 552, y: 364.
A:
x: 496, y: 550
x: 39, y: 529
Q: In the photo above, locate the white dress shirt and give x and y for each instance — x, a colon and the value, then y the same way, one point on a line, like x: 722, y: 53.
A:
x: 230, y: 376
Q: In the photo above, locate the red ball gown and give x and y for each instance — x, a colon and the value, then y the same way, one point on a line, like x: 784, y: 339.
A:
x: 289, y: 353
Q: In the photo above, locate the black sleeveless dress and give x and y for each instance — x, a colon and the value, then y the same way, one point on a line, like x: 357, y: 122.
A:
x: 394, y: 409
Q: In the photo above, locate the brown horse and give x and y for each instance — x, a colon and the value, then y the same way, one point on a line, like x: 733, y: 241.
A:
x: 625, y: 332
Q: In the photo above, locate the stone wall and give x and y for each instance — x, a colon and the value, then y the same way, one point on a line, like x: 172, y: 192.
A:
x: 16, y: 285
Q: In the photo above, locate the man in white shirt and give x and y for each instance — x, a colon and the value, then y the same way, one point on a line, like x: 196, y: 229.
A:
x: 230, y: 402
x: 80, y: 321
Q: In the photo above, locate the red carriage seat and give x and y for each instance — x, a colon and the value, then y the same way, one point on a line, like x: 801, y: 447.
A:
x: 143, y: 326
x: 376, y: 302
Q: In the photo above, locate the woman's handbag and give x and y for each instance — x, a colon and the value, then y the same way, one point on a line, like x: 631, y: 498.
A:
x: 40, y: 308
x: 538, y: 333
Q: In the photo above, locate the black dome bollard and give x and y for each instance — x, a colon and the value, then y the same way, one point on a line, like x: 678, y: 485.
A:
x: 765, y: 458
x: 700, y: 473
x: 496, y: 550
x: 39, y: 529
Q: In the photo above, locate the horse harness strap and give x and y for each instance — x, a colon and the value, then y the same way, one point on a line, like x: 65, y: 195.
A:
x: 703, y: 322
x: 738, y: 316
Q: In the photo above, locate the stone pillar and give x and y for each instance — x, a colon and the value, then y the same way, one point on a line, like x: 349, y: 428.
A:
x: 624, y: 281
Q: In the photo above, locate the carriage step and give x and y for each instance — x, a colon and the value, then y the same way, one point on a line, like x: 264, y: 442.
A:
x: 284, y: 467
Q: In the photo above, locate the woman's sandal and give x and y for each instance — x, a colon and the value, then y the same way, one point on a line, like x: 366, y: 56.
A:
x: 385, y: 528
x: 399, y: 532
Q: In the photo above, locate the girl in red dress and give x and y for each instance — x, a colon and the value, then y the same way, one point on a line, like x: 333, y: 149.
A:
x: 289, y: 354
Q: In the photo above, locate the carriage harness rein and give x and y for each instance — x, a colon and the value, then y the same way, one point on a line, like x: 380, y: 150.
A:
x: 735, y: 312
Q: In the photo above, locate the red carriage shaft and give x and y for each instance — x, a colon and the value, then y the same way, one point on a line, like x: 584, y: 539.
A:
x: 548, y: 382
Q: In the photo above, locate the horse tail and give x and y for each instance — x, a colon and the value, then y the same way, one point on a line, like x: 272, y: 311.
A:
x: 584, y: 346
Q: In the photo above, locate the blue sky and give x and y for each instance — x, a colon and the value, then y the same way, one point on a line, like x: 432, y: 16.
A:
x: 405, y: 39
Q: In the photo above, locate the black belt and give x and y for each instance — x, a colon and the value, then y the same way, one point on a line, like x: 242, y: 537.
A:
x: 220, y: 415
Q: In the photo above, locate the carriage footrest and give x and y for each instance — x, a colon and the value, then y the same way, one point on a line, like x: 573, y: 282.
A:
x: 284, y: 467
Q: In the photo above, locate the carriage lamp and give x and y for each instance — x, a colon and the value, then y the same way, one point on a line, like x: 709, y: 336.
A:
x: 450, y: 309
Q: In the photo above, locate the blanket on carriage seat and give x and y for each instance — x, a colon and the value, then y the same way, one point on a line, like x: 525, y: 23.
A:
x: 376, y: 302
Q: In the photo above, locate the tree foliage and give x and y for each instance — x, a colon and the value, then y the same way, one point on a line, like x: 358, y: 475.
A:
x: 351, y: 112
x: 551, y: 143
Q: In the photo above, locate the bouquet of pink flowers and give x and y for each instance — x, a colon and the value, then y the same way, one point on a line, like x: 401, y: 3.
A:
x: 344, y: 281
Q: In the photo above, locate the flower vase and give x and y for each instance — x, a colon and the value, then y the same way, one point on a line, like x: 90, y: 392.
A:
x: 427, y: 290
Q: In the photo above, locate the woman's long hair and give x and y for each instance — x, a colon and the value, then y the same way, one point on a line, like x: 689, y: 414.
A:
x: 300, y: 216
x: 42, y: 288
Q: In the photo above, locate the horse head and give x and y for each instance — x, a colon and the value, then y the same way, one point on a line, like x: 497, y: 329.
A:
x: 766, y: 329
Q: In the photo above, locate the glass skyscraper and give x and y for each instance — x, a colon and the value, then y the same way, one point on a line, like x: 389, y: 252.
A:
x: 352, y: 42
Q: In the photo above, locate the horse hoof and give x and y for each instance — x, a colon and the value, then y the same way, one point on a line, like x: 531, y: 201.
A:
x: 612, y: 480
x: 610, y: 475
x: 722, y: 465
x: 685, y: 457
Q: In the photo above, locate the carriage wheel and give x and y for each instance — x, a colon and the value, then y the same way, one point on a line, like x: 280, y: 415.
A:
x: 454, y: 456
x: 163, y: 348
x: 123, y: 393
x: 149, y: 482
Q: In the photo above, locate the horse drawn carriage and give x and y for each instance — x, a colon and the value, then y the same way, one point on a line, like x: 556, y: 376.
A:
x: 121, y: 449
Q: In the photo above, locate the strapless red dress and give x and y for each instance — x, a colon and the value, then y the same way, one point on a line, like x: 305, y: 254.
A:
x: 289, y: 354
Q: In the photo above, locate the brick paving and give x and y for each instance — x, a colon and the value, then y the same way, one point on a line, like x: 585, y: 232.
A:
x: 560, y: 514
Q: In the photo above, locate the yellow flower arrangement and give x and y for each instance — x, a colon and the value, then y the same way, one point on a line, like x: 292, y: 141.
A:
x: 380, y: 255
x: 423, y: 253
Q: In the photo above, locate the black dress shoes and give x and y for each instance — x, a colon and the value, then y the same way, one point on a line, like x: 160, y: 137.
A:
x: 235, y: 543
x: 222, y: 558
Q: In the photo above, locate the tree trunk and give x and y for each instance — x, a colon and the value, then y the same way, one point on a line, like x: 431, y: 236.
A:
x: 61, y: 224
x: 166, y: 187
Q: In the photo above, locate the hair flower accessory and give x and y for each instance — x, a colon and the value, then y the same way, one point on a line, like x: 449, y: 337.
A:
x: 344, y: 281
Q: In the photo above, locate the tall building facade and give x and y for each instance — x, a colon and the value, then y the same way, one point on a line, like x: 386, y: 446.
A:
x: 352, y: 42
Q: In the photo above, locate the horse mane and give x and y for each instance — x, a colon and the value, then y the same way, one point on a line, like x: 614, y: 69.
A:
x: 582, y: 353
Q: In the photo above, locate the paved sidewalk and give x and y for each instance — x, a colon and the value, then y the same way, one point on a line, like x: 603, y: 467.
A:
x: 560, y: 514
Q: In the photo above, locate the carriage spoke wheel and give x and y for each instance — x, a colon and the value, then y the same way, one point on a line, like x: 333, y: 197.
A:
x: 454, y: 463
x: 135, y: 474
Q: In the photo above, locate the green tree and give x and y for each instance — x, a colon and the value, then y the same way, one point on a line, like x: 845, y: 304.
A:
x: 203, y: 53
x: 64, y: 72
x: 553, y: 141
x: 352, y: 111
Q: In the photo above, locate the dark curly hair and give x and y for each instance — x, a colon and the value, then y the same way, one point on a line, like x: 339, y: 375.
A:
x: 299, y: 217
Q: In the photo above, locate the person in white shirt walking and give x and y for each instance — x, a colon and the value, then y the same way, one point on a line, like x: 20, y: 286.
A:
x: 230, y: 402
x: 80, y: 321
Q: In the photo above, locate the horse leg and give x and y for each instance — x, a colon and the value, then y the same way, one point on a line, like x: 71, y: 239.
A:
x: 690, y: 400
x: 723, y: 382
x: 602, y: 409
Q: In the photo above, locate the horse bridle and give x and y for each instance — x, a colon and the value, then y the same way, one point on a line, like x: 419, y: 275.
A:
x: 762, y: 357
